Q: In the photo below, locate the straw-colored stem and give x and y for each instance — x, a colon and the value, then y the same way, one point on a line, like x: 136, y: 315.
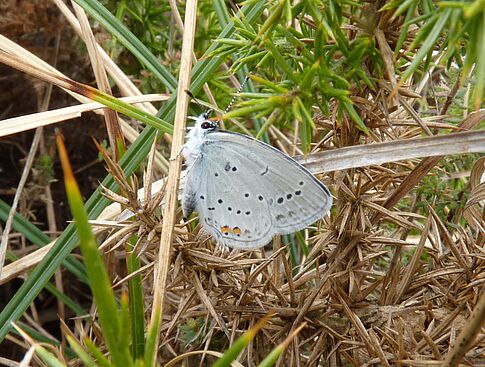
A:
x: 162, y: 267
x: 110, y: 116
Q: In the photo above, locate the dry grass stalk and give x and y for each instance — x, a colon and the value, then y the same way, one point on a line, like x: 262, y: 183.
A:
x: 111, y: 117
x: 20, y: 187
x: 467, y: 335
x: 162, y: 266
x: 27, y: 122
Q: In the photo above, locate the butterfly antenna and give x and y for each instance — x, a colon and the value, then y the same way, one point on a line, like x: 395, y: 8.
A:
x: 207, y: 112
x: 192, y: 97
x: 239, y: 90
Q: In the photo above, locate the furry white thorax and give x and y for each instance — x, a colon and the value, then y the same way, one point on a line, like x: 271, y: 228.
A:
x: 195, y: 139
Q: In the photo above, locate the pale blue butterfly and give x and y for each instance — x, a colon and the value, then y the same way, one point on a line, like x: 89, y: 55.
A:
x: 245, y: 191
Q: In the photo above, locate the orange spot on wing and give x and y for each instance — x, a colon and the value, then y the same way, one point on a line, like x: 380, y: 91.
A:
x: 226, y: 230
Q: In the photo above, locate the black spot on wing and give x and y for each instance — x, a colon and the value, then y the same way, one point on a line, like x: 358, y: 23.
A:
x: 280, y: 217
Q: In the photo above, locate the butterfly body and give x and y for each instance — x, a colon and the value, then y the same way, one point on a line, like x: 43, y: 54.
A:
x: 246, y: 191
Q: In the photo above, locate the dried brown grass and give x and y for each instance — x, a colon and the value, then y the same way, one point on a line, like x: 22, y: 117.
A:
x: 380, y: 286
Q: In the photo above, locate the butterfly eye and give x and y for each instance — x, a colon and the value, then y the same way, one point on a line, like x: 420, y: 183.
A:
x: 208, y: 125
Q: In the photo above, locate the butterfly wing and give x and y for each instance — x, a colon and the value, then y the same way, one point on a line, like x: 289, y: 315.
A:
x: 249, y: 191
x: 219, y: 187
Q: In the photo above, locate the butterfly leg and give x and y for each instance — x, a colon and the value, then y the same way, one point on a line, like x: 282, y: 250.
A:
x: 181, y: 152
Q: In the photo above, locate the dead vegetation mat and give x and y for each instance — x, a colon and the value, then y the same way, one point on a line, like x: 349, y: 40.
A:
x: 388, y: 279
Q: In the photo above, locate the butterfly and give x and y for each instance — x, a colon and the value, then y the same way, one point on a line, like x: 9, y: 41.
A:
x: 246, y: 191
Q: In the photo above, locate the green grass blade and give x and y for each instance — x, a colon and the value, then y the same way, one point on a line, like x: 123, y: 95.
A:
x: 124, y: 336
x: 130, y: 110
x: 151, y: 349
x: 428, y: 44
x: 85, y: 357
x: 474, y: 8
x: 222, y: 13
x: 355, y: 116
x: 99, y: 280
x: 281, y: 62
x: 69, y: 302
x: 240, y: 343
x: 42, y: 273
x: 480, y: 61
x: 47, y: 357
x: 101, y: 360
x: 403, y: 34
x: 273, y: 356
x: 136, y: 302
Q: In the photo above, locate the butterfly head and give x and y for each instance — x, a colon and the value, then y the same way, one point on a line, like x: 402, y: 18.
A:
x: 197, y: 135
x: 206, y: 124
x: 203, y: 124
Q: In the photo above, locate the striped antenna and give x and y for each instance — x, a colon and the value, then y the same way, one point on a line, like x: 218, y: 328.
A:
x: 236, y: 95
